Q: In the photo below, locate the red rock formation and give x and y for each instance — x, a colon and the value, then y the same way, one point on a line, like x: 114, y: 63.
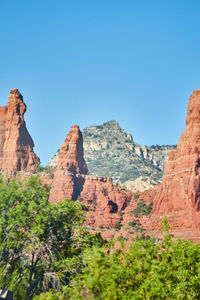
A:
x: 71, y: 153
x: 16, y: 145
x: 178, y: 197
x: 104, y: 202
x: 71, y: 168
x: 101, y: 198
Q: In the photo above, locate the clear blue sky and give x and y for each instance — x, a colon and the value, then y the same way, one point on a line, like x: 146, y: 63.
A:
x: 86, y: 62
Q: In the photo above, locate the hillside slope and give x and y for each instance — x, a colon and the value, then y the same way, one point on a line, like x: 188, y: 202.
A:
x: 110, y: 151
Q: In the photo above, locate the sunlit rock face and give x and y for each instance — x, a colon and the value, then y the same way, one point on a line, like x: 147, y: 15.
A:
x: 16, y: 144
x: 71, y: 153
x: 102, y: 199
x: 178, y: 197
x: 71, y: 168
x: 110, y: 151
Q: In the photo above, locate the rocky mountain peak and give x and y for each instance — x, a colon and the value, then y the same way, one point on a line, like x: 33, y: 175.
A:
x: 102, y: 200
x: 15, y: 93
x: 110, y: 151
x: 16, y: 145
x: 193, y: 112
x: 107, y: 129
x: 111, y: 124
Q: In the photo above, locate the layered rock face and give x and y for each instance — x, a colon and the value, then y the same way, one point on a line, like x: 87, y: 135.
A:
x: 110, y: 151
x: 178, y: 197
x: 104, y: 202
x: 71, y: 153
x: 16, y: 145
x: 101, y: 198
x: 71, y: 169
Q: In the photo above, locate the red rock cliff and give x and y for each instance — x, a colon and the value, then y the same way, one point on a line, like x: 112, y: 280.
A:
x: 16, y: 145
x: 178, y: 197
x: 101, y: 198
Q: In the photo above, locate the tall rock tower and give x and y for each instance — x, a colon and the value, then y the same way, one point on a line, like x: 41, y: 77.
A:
x: 16, y: 145
x: 70, y: 173
x: 178, y: 196
x: 71, y: 153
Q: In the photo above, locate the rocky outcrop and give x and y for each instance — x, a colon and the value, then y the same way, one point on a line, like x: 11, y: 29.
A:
x: 71, y: 153
x: 110, y: 151
x: 71, y: 169
x: 178, y: 197
x: 102, y: 200
x: 109, y: 208
x: 16, y: 145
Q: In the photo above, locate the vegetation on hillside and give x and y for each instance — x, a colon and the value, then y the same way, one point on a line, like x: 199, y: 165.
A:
x: 46, y: 254
x: 47, y: 169
x: 110, y: 151
x: 147, y: 270
x: 142, y: 209
x: 41, y: 244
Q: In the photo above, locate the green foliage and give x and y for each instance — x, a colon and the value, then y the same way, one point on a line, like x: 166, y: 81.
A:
x: 40, y: 243
x: 40, y: 168
x: 117, y: 226
x: 45, y: 254
x: 120, y: 213
x: 136, y: 225
x: 136, y: 196
x: 147, y: 270
x: 142, y: 209
x: 165, y: 225
x: 51, y: 295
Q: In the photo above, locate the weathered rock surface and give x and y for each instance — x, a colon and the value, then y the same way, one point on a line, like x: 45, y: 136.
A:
x: 110, y: 151
x: 71, y: 168
x: 103, y: 201
x: 16, y: 145
x: 110, y: 209
x: 71, y: 153
x: 178, y: 197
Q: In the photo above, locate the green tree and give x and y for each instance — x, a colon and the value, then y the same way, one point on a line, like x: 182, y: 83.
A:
x: 147, y: 270
x: 40, y: 242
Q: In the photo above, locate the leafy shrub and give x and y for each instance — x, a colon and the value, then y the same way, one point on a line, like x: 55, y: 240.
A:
x: 40, y: 168
x: 142, y: 209
x: 40, y: 243
x: 136, y: 225
x: 136, y: 196
x: 117, y: 226
x: 147, y: 270
x: 120, y: 213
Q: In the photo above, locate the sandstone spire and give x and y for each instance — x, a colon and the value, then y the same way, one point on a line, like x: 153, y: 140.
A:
x: 102, y: 199
x: 70, y: 173
x: 179, y: 194
x: 71, y: 153
x: 16, y: 145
